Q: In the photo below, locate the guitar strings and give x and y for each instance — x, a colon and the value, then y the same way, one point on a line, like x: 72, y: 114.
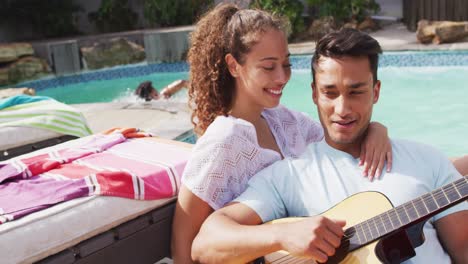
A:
x: 413, y: 209
x: 351, y: 231
x: 438, y: 193
x: 396, y: 211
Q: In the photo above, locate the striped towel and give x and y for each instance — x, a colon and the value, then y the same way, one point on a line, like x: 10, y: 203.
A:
x: 109, y: 165
x: 21, y: 99
x: 46, y: 114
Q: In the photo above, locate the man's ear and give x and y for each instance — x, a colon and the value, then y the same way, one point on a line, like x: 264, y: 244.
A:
x: 232, y: 65
x: 376, y: 91
x: 314, y: 92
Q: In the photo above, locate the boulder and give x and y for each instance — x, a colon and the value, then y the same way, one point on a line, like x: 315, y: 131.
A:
x: 438, y: 32
x: 112, y: 52
x: 8, y: 92
x: 322, y: 26
x: 13, y: 51
x: 25, y: 68
x: 368, y: 24
x: 352, y: 24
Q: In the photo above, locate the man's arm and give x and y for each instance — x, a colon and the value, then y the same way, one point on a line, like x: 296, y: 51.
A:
x: 453, y: 234
x: 174, y: 87
x: 233, y: 235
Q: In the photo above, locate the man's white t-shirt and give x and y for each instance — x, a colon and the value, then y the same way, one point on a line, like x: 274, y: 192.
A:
x: 323, y: 176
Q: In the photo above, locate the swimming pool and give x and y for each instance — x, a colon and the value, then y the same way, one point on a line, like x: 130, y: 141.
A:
x: 422, y: 94
x: 423, y: 104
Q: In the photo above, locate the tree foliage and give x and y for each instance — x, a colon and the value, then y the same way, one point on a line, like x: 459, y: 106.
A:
x: 291, y: 9
x: 113, y: 16
x: 51, y: 18
x: 174, y: 12
x: 345, y: 10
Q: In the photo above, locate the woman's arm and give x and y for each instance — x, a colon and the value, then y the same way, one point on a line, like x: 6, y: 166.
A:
x: 461, y: 164
x: 452, y: 230
x: 189, y: 215
x: 375, y: 151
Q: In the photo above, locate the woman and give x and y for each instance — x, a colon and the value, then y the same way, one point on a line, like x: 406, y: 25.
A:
x: 239, y: 65
x: 461, y: 164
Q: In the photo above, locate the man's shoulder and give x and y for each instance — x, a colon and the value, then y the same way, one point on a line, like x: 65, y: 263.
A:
x: 401, y: 146
x: 417, y: 154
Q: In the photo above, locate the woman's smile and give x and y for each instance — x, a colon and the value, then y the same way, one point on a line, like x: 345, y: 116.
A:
x: 276, y: 91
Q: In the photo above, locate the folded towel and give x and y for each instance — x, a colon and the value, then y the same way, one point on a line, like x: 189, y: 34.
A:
x: 42, y: 113
x: 21, y: 99
x: 128, y: 132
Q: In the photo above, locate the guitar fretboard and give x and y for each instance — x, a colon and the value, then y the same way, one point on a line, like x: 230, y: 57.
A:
x: 408, y: 213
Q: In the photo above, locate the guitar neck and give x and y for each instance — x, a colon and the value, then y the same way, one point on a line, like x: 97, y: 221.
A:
x: 410, y: 213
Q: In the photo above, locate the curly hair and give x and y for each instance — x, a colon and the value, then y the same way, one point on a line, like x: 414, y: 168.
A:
x: 226, y: 29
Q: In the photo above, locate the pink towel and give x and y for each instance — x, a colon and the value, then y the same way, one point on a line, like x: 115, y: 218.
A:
x: 108, y: 165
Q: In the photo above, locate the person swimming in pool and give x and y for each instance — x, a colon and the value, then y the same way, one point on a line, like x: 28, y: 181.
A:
x: 146, y: 90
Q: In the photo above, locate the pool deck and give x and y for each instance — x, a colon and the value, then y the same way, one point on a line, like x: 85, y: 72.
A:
x: 164, y: 118
x: 393, y: 37
x: 169, y: 119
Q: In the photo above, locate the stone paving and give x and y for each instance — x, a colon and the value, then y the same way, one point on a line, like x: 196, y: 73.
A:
x: 164, y: 118
x: 393, y: 37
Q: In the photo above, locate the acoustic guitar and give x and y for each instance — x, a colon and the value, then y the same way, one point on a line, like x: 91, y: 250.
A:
x: 378, y: 232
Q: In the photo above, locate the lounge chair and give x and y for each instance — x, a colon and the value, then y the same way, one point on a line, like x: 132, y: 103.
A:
x: 95, y: 229
x: 28, y: 123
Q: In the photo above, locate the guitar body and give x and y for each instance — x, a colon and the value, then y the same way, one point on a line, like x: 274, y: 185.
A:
x: 376, y: 232
x: 354, y: 209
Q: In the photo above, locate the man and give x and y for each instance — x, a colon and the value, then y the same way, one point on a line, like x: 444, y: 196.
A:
x: 345, y: 88
x: 145, y: 90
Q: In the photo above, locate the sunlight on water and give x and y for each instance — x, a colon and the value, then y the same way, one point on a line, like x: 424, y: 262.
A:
x: 428, y: 105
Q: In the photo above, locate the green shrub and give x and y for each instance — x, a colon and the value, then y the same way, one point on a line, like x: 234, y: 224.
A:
x: 52, y: 18
x: 113, y: 16
x: 174, y: 12
x: 291, y: 9
x: 345, y: 10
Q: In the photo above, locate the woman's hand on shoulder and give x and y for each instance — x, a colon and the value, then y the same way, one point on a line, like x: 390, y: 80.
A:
x: 376, y: 150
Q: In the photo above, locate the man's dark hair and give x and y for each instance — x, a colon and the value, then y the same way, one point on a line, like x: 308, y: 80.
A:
x: 144, y: 90
x: 347, y: 42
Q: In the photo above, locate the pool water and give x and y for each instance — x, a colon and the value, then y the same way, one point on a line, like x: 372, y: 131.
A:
x: 426, y: 104
x: 108, y: 90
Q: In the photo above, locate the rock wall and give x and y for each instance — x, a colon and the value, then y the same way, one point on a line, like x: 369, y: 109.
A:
x: 24, y: 61
x: 438, y: 32
x: 18, y: 63
x: 112, y: 52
